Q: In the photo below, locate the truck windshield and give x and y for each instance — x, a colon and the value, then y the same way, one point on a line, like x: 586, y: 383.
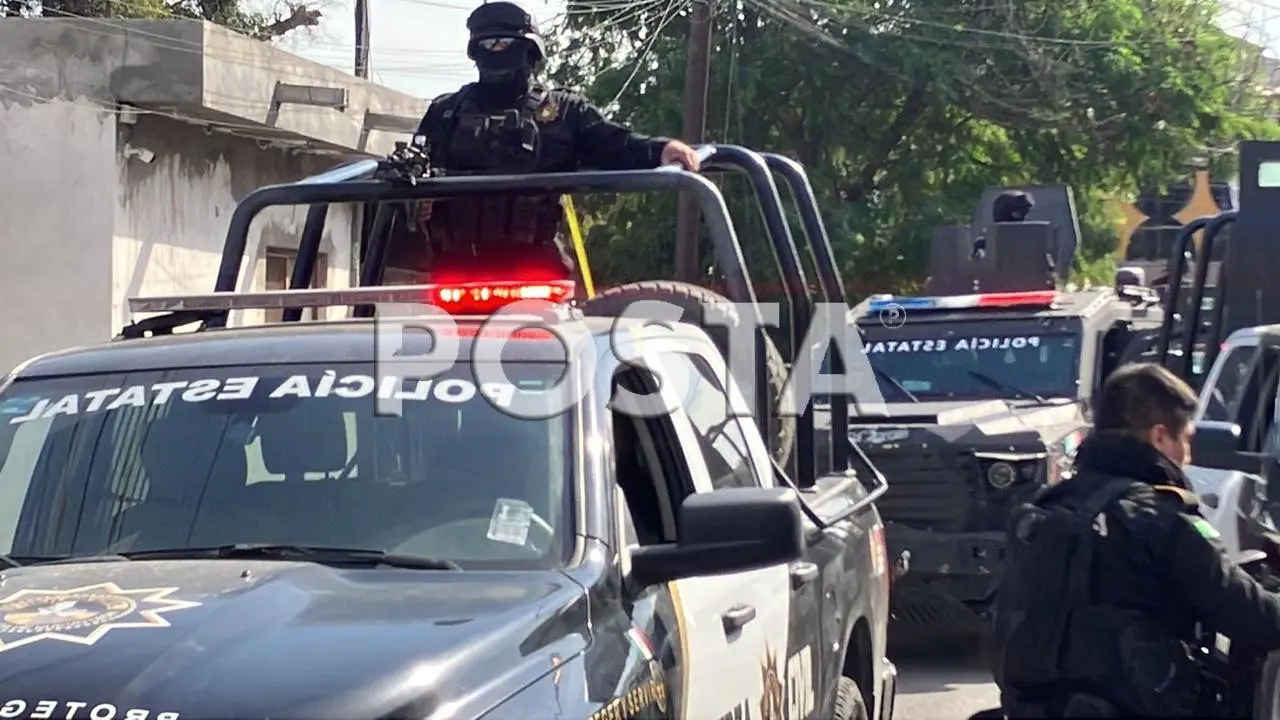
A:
x: 334, y: 455
x: 971, y: 362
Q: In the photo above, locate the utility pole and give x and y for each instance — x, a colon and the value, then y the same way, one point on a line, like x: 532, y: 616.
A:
x: 362, y: 39
x: 697, y: 76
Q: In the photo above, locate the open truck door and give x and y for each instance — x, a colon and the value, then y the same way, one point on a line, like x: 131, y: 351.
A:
x: 1219, y: 334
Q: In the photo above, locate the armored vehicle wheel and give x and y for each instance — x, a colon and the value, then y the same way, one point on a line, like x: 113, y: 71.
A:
x: 850, y: 704
x: 691, y: 298
x: 925, y: 621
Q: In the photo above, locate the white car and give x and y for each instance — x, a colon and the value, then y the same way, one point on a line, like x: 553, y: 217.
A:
x: 1235, y: 424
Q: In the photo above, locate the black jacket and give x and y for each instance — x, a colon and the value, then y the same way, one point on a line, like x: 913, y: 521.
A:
x: 474, y: 236
x: 1156, y: 571
x: 1156, y: 554
x: 593, y: 141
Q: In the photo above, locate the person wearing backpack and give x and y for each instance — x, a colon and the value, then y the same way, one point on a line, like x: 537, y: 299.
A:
x: 1116, y: 580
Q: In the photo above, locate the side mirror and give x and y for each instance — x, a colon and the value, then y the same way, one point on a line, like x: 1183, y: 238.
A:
x: 725, y: 531
x: 1210, y: 500
x: 1217, y: 446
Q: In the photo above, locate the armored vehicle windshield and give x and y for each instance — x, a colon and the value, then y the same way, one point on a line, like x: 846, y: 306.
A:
x: 333, y: 455
x: 1005, y: 359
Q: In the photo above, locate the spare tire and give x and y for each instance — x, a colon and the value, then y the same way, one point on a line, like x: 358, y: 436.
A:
x: 692, y: 298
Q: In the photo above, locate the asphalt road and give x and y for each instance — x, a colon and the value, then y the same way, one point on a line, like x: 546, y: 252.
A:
x: 943, y: 689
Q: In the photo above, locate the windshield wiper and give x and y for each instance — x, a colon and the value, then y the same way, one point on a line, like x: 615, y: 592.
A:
x: 72, y: 559
x: 303, y: 553
x: 8, y: 562
x: 995, y: 384
x: 884, y: 375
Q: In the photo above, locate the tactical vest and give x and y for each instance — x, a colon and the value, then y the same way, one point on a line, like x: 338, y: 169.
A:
x: 484, y: 142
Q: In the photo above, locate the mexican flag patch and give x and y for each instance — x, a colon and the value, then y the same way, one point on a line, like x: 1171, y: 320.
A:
x: 1205, y: 529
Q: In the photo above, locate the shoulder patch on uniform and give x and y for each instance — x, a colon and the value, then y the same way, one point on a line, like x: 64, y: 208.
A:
x: 1188, y: 498
x: 1205, y: 528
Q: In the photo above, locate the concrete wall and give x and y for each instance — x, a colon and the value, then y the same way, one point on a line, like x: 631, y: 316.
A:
x: 205, y: 72
x: 172, y: 213
x: 123, y: 152
x: 57, y: 202
x: 87, y: 225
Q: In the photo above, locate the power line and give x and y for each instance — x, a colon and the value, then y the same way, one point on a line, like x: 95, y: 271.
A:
x: 673, y: 10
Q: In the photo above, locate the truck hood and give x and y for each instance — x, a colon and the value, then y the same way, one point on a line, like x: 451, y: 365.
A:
x: 983, y: 425
x: 235, y: 639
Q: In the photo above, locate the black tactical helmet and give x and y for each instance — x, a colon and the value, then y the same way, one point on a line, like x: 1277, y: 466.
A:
x: 503, y: 20
x: 1012, y: 206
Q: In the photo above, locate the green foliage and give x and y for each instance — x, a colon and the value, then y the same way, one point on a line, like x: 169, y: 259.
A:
x: 903, y: 113
x: 233, y: 14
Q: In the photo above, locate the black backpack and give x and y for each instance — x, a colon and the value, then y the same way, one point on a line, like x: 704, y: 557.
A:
x: 1046, y: 580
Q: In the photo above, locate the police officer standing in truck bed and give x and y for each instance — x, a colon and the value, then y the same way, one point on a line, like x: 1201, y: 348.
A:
x: 1113, y: 570
x: 508, y: 124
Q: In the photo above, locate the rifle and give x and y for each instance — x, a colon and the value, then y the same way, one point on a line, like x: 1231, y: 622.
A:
x: 408, y: 164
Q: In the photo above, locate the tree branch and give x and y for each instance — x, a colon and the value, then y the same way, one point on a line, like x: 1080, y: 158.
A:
x: 908, y: 114
x: 300, y: 16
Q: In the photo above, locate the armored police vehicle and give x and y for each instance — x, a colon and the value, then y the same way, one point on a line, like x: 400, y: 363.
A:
x: 1234, y: 356
x: 473, y: 501
x: 986, y: 389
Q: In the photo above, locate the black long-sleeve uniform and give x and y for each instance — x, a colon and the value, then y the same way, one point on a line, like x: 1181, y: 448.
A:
x: 580, y: 136
x: 476, y: 237
x: 1157, y: 558
x: 1160, y: 555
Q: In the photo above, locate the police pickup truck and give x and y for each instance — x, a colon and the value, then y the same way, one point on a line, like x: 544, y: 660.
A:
x: 336, y: 519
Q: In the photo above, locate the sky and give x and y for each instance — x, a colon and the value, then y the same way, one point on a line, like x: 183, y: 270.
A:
x: 419, y: 47
x: 1255, y: 20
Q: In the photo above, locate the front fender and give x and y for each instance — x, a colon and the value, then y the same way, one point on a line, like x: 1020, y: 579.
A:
x: 561, y: 693
x: 567, y: 693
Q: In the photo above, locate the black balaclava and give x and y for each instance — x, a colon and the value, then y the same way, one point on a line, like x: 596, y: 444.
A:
x: 511, y: 66
x: 508, y: 65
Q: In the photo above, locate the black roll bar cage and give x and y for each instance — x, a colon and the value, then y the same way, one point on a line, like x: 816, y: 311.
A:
x: 1184, y: 250
x: 353, y: 183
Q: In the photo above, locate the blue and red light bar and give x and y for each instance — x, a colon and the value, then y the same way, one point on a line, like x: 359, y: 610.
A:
x: 1034, y: 298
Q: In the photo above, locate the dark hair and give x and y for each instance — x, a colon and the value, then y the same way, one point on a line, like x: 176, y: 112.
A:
x: 1141, y: 396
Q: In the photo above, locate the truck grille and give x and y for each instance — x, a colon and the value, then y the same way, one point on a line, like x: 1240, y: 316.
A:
x: 928, y: 490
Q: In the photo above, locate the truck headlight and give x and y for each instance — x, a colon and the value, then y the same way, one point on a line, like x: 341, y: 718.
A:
x: 1001, y: 475
x: 1003, y: 470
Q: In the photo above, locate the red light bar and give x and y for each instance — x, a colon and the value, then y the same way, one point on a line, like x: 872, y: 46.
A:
x: 483, y: 298
x: 480, y: 331
x: 1018, y: 299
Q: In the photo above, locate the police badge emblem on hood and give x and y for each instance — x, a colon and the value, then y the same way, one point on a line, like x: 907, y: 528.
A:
x: 164, y: 640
